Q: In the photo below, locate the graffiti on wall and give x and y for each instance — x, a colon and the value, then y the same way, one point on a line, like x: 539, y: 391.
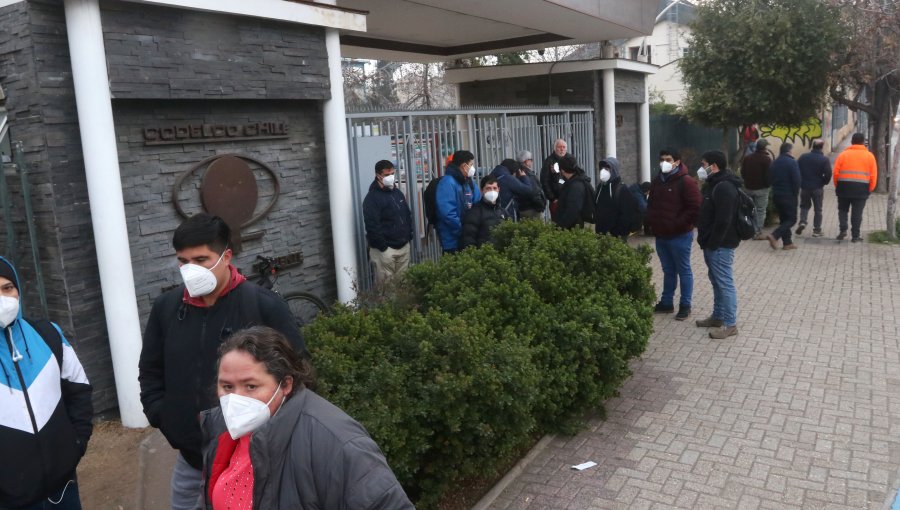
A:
x: 806, y: 133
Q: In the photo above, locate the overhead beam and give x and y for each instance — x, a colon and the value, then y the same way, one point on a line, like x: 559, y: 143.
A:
x: 310, y: 13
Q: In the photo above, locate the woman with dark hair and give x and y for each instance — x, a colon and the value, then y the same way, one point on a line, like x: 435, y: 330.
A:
x: 274, y: 444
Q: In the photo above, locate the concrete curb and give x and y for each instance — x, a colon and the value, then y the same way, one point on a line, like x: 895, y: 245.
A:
x: 513, y: 473
x: 155, y: 461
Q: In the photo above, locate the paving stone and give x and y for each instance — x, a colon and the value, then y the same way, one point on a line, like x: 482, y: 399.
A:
x: 800, y: 410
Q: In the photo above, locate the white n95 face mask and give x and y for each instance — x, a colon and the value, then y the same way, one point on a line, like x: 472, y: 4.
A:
x: 198, y: 280
x: 665, y: 167
x: 388, y: 181
x: 491, y: 196
x: 702, y: 174
x: 604, y: 175
x: 9, y: 310
x: 244, y: 415
x: 471, y: 172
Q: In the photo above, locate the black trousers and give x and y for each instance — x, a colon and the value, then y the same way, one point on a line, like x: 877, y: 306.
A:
x: 811, y: 198
x: 787, y: 217
x: 844, y: 206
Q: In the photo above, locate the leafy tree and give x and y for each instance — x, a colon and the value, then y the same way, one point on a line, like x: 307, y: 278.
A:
x: 872, y: 65
x: 763, y: 61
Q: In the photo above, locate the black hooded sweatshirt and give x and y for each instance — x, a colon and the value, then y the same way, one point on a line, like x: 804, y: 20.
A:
x: 715, y: 227
x: 615, y: 208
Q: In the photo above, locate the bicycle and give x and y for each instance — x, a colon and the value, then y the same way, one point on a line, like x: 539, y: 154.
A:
x: 305, y: 307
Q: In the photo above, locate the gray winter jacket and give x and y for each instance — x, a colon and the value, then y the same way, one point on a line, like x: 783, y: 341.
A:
x: 311, y: 456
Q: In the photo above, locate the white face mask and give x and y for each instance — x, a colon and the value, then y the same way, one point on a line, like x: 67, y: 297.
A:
x: 198, y: 280
x: 491, y: 196
x: 665, y: 167
x: 9, y: 310
x: 388, y: 180
x: 471, y: 171
x: 702, y: 173
x: 604, y: 175
x: 244, y: 415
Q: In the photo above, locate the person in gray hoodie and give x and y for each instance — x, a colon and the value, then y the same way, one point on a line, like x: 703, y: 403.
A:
x: 275, y: 443
x: 615, y: 208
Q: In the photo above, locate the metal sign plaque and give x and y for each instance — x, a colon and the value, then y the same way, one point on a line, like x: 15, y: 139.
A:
x: 211, y: 133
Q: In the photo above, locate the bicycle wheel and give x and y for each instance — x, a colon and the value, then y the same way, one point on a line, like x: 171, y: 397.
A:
x: 305, y: 307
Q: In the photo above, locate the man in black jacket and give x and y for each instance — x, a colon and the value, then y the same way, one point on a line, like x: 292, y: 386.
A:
x: 717, y: 237
x: 483, y: 216
x: 186, y: 326
x: 389, y: 226
x: 575, y: 197
x: 815, y: 172
x: 551, y: 176
x: 615, y: 208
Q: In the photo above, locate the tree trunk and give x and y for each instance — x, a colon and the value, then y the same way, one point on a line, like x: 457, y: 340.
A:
x: 736, y: 158
x: 880, y: 142
x: 892, y: 190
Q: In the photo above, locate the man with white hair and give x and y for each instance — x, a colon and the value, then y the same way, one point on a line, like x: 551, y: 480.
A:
x: 551, y: 178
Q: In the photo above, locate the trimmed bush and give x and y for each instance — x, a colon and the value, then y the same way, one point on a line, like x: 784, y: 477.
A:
x: 475, y: 354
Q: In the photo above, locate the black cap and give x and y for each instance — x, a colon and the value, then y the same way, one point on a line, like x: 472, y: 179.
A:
x: 6, y: 271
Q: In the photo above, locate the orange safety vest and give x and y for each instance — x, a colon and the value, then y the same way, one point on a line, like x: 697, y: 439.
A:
x: 856, y: 164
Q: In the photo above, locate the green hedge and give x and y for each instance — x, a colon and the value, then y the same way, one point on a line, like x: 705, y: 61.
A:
x: 476, y: 354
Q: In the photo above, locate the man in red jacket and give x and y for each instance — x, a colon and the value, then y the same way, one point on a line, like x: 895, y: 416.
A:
x: 672, y: 209
x: 855, y: 176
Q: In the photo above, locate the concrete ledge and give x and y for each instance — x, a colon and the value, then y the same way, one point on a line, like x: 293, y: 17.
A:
x: 155, y: 462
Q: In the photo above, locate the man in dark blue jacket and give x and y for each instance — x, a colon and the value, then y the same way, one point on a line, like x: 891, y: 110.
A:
x: 815, y: 172
x: 784, y: 179
x: 389, y: 226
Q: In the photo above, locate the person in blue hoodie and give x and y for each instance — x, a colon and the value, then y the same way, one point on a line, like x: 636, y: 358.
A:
x: 45, y: 408
x: 456, y: 193
x: 784, y: 179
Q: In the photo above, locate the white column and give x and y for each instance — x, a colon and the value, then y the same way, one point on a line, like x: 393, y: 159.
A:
x: 645, y: 135
x: 101, y: 164
x: 337, y: 156
x: 609, y: 113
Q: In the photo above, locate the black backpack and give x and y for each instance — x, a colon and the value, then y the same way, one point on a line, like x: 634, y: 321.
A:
x: 587, y: 205
x: 745, y: 217
x: 429, y: 202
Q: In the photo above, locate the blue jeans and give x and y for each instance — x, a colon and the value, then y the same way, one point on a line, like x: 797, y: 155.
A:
x: 720, y: 263
x: 675, y: 259
x: 63, y: 498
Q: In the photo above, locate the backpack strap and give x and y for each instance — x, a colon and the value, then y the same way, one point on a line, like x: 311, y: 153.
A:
x: 51, y: 337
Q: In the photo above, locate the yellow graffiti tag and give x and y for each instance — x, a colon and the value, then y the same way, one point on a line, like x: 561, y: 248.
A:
x: 807, y: 132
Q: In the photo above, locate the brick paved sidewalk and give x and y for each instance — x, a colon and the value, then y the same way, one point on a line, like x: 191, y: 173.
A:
x: 800, y: 410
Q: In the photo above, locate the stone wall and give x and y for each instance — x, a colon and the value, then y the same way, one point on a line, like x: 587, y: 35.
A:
x: 163, y: 53
x: 300, y: 220
x: 166, y: 66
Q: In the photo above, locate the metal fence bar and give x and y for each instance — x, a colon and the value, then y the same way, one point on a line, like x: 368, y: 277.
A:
x: 421, y: 141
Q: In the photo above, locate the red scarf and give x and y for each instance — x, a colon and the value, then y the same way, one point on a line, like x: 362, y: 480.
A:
x: 236, y: 279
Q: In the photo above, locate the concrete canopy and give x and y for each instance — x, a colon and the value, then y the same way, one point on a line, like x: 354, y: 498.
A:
x: 437, y: 30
